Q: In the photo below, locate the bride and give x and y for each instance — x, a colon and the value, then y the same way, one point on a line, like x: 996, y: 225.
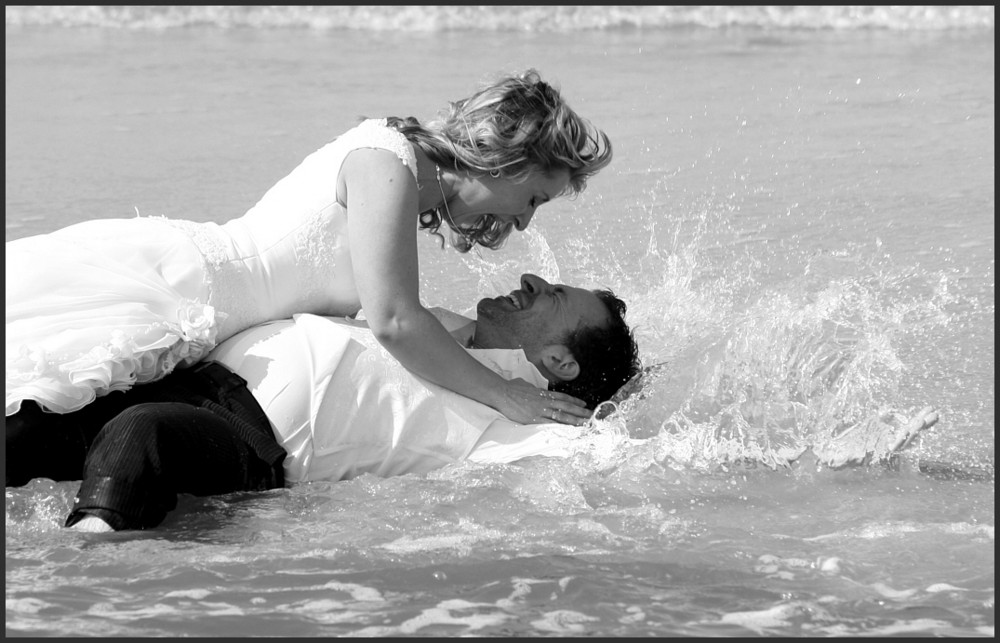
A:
x: 106, y: 304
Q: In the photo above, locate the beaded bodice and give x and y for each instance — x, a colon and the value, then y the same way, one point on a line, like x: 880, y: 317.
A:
x: 290, y: 252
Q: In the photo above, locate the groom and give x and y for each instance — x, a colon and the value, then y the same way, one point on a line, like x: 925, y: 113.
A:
x: 317, y: 398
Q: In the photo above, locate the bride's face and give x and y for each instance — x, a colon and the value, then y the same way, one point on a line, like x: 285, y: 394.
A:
x: 507, y: 201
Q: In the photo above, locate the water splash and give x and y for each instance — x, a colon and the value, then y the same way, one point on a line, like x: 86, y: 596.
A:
x: 736, y: 371
x: 797, y: 370
x: 39, y: 507
x: 504, y: 274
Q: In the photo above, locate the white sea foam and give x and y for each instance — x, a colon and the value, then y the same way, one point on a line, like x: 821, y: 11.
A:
x: 563, y: 622
x: 505, y: 18
x: 761, y: 621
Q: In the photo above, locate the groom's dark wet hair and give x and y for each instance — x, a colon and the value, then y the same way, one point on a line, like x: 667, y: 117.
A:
x: 608, y: 355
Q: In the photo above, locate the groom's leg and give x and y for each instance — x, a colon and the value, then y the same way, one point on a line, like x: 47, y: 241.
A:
x: 149, y: 453
x: 40, y: 444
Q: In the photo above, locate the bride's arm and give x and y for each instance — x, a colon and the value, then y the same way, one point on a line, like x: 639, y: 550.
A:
x: 382, y: 206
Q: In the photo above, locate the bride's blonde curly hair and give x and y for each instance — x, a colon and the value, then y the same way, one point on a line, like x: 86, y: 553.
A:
x: 510, y: 129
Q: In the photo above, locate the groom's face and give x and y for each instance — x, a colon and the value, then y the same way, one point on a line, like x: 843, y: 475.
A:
x: 536, y: 315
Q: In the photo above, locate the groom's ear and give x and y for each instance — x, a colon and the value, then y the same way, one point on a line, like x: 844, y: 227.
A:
x: 559, y: 361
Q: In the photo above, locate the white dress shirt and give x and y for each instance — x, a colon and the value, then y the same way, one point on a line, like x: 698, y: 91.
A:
x: 341, y: 405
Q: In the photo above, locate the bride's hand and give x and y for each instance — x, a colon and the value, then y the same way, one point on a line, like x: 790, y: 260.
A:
x: 528, y: 404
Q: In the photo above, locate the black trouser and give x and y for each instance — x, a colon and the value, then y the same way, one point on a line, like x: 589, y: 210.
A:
x: 197, y: 431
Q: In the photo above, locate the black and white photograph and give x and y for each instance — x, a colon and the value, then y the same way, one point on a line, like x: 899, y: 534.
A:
x: 569, y: 321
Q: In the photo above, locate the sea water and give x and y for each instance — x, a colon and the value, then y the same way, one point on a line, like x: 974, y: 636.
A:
x: 800, y: 215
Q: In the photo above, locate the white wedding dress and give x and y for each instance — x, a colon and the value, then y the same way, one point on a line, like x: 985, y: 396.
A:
x: 104, y: 304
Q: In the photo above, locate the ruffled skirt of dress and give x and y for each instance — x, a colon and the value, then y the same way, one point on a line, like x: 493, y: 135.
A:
x: 99, y: 306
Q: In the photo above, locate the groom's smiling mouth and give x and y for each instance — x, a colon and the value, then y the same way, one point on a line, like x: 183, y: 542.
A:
x: 515, y: 299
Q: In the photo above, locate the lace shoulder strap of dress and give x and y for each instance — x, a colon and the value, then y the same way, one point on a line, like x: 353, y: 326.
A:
x: 376, y: 133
